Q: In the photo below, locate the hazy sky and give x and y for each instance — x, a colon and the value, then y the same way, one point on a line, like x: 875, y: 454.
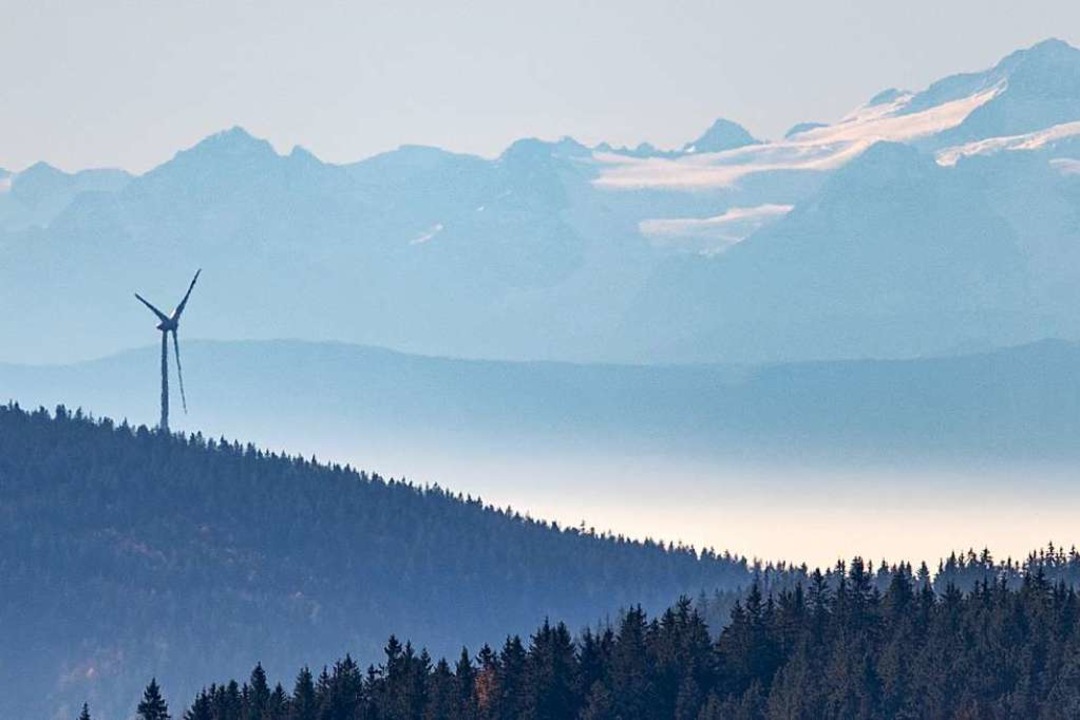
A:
x: 128, y: 82
x: 816, y: 515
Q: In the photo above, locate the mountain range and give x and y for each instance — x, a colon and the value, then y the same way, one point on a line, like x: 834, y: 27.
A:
x: 1016, y: 405
x: 924, y: 223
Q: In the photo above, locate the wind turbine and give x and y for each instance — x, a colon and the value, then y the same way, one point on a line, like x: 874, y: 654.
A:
x: 170, y: 324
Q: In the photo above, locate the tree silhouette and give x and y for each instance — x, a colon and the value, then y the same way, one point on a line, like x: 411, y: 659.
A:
x: 153, y: 706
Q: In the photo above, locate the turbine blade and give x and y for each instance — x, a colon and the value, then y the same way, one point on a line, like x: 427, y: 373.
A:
x: 161, y: 316
x: 179, y: 370
x: 183, y: 303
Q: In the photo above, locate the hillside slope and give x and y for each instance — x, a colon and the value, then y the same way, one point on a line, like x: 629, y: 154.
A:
x: 125, y: 552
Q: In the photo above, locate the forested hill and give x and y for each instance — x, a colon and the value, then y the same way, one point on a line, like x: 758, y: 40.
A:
x: 125, y: 551
x: 829, y: 648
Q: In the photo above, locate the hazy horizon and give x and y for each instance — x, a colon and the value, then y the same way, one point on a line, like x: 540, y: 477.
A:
x: 123, y: 85
x: 834, y: 496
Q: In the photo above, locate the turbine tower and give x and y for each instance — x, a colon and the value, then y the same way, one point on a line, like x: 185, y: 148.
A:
x: 170, y: 324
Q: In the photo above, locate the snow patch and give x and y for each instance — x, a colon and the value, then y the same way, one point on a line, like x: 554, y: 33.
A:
x: 713, y: 235
x: 5, y: 185
x: 1066, y: 166
x: 426, y: 236
x: 990, y: 146
x: 817, y: 149
x: 718, y: 170
x: 887, y: 121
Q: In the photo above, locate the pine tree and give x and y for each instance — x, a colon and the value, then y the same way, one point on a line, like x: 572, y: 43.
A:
x: 230, y: 702
x: 85, y: 714
x: 487, y: 683
x: 153, y: 706
x: 303, y: 705
x: 594, y: 657
x: 203, y: 707
x: 259, y: 695
x: 278, y: 707
x: 441, y: 695
x: 465, y: 680
x: 631, y: 682
x: 511, y: 703
x: 551, y: 675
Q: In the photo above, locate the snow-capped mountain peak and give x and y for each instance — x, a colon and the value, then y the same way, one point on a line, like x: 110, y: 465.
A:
x: 817, y: 149
x: 1028, y: 92
x: 919, y: 222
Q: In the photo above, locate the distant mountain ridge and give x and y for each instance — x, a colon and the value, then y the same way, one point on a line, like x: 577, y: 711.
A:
x: 1013, y: 406
x: 726, y: 249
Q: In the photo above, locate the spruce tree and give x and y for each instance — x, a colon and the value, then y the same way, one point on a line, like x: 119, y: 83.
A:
x: 551, y: 674
x: 204, y: 707
x: 487, y: 683
x: 441, y: 695
x: 153, y: 706
x: 631, y: 684
x: 259, y: 695
x: 278, y: 708
x: 510, y: 703
x: 465, y: 681
x: 303, y: 705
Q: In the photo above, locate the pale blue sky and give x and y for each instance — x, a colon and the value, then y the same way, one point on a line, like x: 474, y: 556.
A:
x: 128, y: 82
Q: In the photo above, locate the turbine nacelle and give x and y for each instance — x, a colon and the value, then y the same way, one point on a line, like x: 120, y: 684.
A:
x: 170, y: 323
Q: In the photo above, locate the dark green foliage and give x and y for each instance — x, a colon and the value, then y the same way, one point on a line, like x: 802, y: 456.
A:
x: 843, y: 650
x: 85, y: 714
x: 153, y: 706
x: 551, y: 675
x: 124, y: 552
x: 258, y: 696
x: 305, y: 703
